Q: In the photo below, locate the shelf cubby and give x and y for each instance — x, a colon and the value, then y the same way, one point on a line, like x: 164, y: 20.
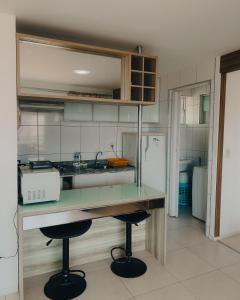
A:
x: 136, y: 93
x: 149, y: 80
x: 136, y: 78
x: 148, y: 94
x: 137, y: 63
x: 149, y: 64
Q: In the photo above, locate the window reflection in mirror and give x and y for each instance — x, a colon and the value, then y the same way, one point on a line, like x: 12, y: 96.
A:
x: 46, y: 69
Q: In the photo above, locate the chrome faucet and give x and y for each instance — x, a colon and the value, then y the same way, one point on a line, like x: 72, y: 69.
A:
x: 96, y: 159
x: 77, y: 159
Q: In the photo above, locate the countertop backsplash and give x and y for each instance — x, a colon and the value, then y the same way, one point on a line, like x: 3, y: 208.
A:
x: 46, y: 136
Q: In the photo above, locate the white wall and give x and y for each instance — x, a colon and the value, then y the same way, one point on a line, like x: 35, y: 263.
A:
x: 230, y: 207
x: 8, y: 154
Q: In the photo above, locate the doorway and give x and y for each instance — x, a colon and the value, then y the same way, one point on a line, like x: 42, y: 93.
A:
x: 189, y: 144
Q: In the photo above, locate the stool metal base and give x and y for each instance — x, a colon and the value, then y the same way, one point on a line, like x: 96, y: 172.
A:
x: 128, y: 267
x: 65, y: 287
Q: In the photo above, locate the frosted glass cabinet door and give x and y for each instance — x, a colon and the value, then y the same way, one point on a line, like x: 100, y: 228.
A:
x: 127, y: 113
x: 151, y: 113
x: 105, y: 113
x: 130, y: 114
x: 77, y: 112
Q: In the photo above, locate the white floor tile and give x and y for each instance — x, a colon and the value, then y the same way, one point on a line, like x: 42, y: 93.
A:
x: 213, y: 286
x: 183, y: 264
x: 232, y: 242
x: 215, y: 254
x: 187, y: 236
x: 172, y: 292
x: 102, y: 285
x: 173, y: 245
x: 233, y: 271
x: 156, y: 277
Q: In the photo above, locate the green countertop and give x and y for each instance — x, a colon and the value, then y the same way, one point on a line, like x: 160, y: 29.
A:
x: 93, y: 197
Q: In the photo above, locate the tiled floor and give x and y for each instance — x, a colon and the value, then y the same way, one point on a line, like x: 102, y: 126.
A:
x: 196, y: 268
x: 232, y: 242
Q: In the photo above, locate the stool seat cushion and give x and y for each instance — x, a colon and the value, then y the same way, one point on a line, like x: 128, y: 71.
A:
x: 134, y: 218
x: 66, y: 231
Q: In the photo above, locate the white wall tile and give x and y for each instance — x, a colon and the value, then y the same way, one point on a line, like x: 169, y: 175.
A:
x: 183, y: 139
x: 49, y: 139
x: 71, y: 123
x: 28, y: 118
x: 26, y: 158
x: 189, y: 138
x: 89, y: 124
x: 70, y: 139
x: 52, y: 157
x: 108, y: 137
x: 90, y: 139
x: 88, y: 155
x: 188, y: 76
x: 27, y: 140
x: 151, y: 113
x: 105, y: 113
x: 49, y: 118
x: 196, y: 139
x: 196, y: 114
x: 107, y: 154
x: 120, y: 131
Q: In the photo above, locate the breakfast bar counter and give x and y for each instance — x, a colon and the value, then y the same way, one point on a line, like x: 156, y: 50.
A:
x: 97, y: 202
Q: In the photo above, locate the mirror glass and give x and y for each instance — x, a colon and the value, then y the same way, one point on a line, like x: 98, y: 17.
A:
x: 52, y: 70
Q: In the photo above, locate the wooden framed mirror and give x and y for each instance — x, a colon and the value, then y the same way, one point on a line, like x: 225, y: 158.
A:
x: 50, y: 69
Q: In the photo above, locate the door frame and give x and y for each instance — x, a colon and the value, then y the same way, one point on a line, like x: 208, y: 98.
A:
x: 174, y: 138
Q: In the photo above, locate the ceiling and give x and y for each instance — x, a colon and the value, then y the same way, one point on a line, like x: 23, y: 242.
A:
x: 181, y: 32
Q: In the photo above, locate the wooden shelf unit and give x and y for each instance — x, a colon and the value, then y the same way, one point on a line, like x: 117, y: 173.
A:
x: 138, y: 82
x: 143, y: 78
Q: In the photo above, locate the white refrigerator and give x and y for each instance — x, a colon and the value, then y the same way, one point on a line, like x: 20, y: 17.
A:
x: 153, y: 157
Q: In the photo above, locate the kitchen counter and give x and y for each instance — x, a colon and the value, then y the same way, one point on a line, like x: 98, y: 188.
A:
x: 93, y: 197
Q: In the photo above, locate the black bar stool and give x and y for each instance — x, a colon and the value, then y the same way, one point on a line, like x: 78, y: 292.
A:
x: 66, y: 285
x: 128, y: 266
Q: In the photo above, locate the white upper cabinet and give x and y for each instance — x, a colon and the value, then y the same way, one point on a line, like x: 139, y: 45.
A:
x: 78, y: 112
x: 128, y: 113
x: 105, y: 113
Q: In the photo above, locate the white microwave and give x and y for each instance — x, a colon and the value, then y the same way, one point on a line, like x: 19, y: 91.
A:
x: 39, y: 185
